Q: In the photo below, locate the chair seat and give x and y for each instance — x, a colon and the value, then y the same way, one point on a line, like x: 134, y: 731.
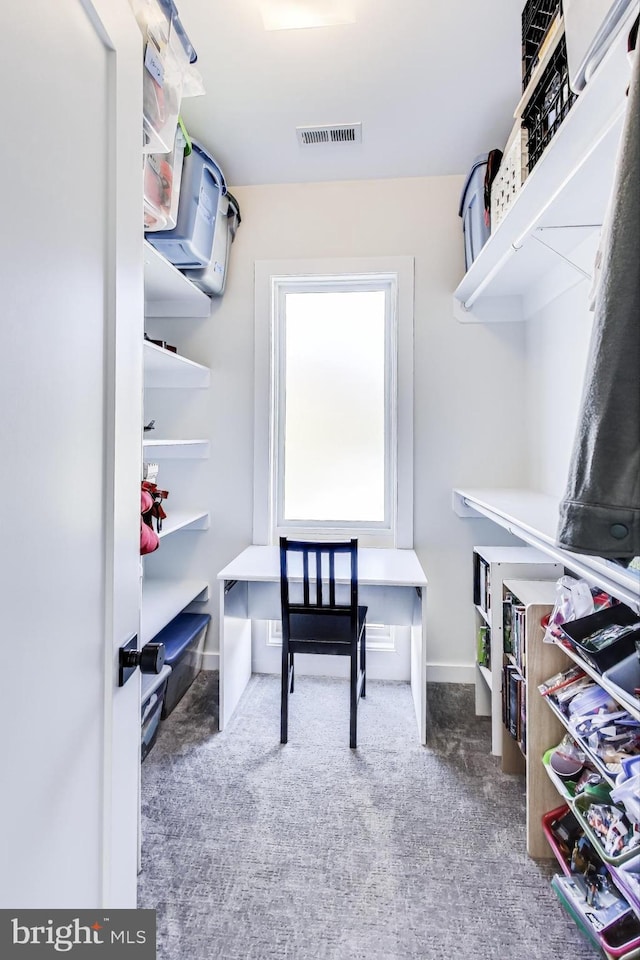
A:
x: 324, y: 627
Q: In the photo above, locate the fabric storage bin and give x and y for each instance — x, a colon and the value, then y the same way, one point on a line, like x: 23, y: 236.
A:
x: 152, y: 693
x: 167, y: 55
x: 162, y: 179
x: 474, y: 228
x: 183, y: 640
x: 190, y: 243
x: 212, y: 278
x: 576, y: 632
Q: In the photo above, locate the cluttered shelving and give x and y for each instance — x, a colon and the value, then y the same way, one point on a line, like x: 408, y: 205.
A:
x: 553, y: 220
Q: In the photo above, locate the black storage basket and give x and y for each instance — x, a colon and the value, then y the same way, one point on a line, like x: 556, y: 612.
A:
x: 549, y: 104
x: 537, y: 17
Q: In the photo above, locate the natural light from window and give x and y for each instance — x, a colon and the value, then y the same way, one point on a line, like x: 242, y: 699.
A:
x: 334, y: 439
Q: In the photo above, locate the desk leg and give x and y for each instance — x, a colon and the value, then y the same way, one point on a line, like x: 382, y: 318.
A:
x: 235, y: 649
x: 419, y: 665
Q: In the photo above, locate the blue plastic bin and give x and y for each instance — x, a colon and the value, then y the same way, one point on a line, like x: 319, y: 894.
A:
x: 183, y: 640
x: 212, y: 278
x: 190, y: 243
x: 475, y: 230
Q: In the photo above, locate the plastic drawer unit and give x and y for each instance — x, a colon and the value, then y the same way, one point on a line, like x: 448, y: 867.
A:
x: 183, y: 640
x: 152, y: 694
x: 212, y: 278
x: 190, y: 244
x: 474, y: 227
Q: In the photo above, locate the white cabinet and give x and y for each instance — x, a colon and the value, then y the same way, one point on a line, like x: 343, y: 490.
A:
x: 171, y: 295
x: 491, y: 567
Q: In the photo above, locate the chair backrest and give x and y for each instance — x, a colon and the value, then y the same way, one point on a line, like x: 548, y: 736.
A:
x: 312, y: 577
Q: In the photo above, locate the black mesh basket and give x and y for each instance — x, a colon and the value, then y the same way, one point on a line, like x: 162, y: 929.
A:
x: 537, y: 17
x: 549, y: 104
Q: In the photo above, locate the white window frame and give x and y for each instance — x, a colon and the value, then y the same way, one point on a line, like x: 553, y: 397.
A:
x: 273, y: 279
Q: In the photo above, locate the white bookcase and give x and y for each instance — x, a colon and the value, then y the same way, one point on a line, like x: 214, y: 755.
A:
x: 491, y: 567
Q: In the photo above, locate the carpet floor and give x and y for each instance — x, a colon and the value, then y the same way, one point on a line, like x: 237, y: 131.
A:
x: 312, y: 851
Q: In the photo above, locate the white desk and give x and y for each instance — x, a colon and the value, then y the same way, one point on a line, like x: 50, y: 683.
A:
x: 391, y: 583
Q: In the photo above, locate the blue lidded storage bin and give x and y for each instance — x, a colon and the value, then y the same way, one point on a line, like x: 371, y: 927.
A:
x: 190, y: 243
x: 183, y: 640
x: 475, y: 230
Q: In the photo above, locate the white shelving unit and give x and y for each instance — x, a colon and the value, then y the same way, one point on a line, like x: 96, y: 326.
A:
x: 562, y: 202
x: 175, y: 449
x: 163, y: 599
x: 533, y: 517
x: 166, y: 370
x: 184, y: 520
x: 501, y: 563
x: 167, y: 292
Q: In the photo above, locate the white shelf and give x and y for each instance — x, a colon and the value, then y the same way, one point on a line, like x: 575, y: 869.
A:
x: 163, y: 368
x: 486, y: 675
x: 533, y: 517
x: 162, y: 600
x: 184, y: 520
x: 175, y: 449
x: 484, y: 615
x: 167, y: 292
x: 567, y: 191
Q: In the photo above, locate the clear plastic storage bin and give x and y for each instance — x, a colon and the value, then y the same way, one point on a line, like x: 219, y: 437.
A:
x: 162, y: 179
x: 167, y: 55
x: 190, y: 244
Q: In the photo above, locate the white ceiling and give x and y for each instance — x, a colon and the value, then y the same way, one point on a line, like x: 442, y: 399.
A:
x: 434, y: 83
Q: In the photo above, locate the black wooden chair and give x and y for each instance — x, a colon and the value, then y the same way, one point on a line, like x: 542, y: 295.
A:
x: 314, y: 620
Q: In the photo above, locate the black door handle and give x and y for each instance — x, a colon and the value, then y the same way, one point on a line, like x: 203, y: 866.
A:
x: 150, y: 659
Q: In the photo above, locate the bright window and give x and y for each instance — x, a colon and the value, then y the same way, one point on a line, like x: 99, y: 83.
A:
x: 334, y: 401
x: 335, y: 405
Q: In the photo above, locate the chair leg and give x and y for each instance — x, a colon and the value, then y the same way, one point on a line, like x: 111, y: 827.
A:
x: 284, y: 695
x: 363, y: 664
x: 292, y: 672
x: 353, y: 712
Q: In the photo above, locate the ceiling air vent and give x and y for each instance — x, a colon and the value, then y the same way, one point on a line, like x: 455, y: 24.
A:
x: 331, y: 133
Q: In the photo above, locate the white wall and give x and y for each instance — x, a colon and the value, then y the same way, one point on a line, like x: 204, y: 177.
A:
x: 557, y: 342
x: 468, y: 383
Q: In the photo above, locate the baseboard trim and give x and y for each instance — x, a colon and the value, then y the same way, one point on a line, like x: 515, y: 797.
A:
x: 451, y: 673
x: 210, y: 661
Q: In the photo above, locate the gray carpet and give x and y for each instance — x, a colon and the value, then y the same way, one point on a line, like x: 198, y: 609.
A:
x: 311, y: 851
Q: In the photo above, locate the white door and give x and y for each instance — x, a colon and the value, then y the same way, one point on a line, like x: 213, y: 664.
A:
x: 70, y: 414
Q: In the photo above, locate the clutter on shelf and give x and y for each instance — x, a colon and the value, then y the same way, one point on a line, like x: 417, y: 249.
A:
x: 206, y: 223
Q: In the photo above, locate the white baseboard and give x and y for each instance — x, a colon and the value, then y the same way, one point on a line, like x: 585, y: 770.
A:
x: 436, y: 672
x: 451, y: 673
x: 210, y: 661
